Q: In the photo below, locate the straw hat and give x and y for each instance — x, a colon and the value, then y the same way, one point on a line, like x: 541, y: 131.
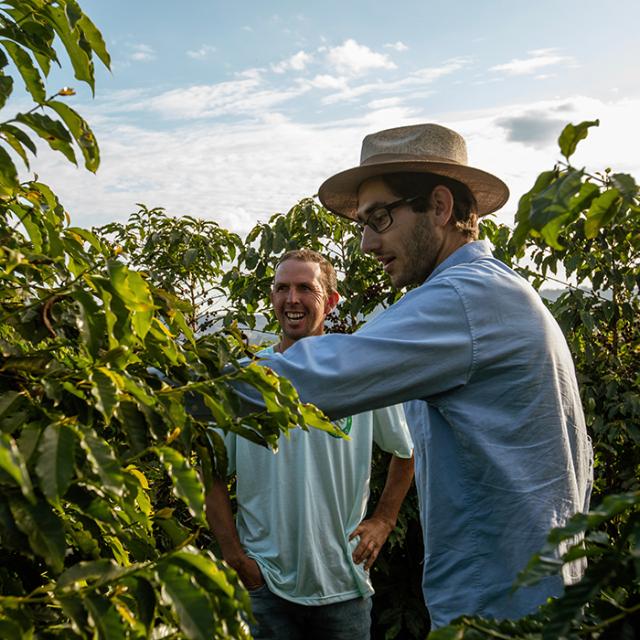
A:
x: 422, y: 148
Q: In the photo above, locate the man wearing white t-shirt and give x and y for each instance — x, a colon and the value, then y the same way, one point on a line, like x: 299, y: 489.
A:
x: 300, y: 543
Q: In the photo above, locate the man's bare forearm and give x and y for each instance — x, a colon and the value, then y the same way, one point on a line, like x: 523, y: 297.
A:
x: 222, y: 523
x: 374, y: 531
x: 399, y: 479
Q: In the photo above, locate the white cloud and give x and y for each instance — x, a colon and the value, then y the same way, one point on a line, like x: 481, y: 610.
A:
x: 297, y: 62
x: 235, y: 97
x: 325, y: 81
x: 142, y: 53
x: 240, y: 169
x: 396, y: 46
x: 537, y: 59
x: 384, y: 103
x: 202, y: 52
x: 413, y: 81
x: 356, y: 59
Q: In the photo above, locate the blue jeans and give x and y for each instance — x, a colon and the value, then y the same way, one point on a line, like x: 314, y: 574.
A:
x: 279, y: 619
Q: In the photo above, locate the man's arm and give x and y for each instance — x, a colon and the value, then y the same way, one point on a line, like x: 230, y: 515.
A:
x: 221, y: 522
x: 374, y: 531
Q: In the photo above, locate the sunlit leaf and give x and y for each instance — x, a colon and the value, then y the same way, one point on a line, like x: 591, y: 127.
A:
x: 572, y: 134
x: 81, y: 133
x: 105, y: 390
x: 12, y: 463
x: 52, y: 131
x: 185, y: 481
x: 29, y: 73
x: 601, y: 211
x: 55, y: 466
x: 103, y: 461
x: 190, y: 601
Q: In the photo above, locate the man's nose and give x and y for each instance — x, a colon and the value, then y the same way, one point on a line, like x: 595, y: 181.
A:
x: 370, y: 240
x: 292, y: 295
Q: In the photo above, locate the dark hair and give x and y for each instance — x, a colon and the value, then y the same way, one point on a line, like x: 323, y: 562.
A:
x: 465, y: 207
x: 328, y: 273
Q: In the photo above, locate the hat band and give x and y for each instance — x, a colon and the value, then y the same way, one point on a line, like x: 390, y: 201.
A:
x: 399, y: 157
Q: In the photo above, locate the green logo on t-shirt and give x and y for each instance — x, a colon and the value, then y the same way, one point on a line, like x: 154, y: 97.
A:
x: 344, y: 424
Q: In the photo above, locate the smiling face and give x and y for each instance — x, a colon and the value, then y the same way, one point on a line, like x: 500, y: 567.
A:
x: 410, y: 248
x: 299, y: 300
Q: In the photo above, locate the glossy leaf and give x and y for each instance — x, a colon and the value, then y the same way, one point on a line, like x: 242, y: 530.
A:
x: 8, y: 175
x: 30, y: 74
x: 572, y: 134
x: 6, y: 88
x: 190, y: 602
x: 55, y: 466
x: 105, y: 390
x: 44, y: 530
x: 52, y: 131
x: 185, y: 481
x: 602, y: 209
x: 81, y: 133
x: 12, y: 463
x: 103, y: 461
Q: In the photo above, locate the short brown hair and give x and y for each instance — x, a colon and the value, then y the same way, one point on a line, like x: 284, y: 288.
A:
x: 411, y: 184
x: 328, y: 273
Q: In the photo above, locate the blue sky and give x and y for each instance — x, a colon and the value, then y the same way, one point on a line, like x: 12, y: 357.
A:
x: 234, y: 111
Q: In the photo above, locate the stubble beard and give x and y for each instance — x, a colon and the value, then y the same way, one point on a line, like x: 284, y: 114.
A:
x: 421, y: 253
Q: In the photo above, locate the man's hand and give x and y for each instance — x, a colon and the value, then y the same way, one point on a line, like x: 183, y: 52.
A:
x: 373, y: 533
x: 249, y: 572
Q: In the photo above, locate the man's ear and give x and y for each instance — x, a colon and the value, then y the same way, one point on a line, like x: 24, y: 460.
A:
x: 331, y: 302
x: 442, y: 203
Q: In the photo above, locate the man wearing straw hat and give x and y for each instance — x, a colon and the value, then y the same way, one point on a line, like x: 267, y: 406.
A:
x: 488, y: 383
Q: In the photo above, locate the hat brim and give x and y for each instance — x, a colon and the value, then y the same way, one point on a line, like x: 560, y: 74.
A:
x: 339, y: 193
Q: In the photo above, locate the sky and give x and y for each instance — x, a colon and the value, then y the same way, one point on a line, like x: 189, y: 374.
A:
x: 234, y: 111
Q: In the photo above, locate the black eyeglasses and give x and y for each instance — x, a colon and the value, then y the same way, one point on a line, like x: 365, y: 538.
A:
x: 380, y: 219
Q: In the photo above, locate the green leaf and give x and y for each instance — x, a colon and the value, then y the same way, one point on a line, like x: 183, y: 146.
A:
x: 186, y: 484
x: 44, y: 530
x: 71, y: 39
x: 104, y: 618
x: 190, y: 602
x: 103, y: 461
x: 8, y: 175
x: 601, y: 211
x: 27, y: 69
x: 90, y: 322
x: 52, y: 131
x: 12, y: 463
x: 572, y: 134
x: 195, y: 562
x: 55, y: 467
x: 93, y: 36
x: 6, y: 88
x: 95, y: 571
x: 105, y: 390
x: 81, y: 132
x: 15, y: 143
x: 20, y: 135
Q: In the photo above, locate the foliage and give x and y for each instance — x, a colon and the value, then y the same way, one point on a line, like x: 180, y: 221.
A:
x: 185, y: 256
x: 101, y: 502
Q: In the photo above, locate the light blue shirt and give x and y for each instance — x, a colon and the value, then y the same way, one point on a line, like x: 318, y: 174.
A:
x: 298, y: 507
x: 491, y: 398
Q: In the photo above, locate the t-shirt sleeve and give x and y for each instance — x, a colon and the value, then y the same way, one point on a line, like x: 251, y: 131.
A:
x: 390, y: 431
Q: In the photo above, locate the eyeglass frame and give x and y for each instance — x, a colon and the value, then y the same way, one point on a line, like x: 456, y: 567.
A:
x: 387, y: 208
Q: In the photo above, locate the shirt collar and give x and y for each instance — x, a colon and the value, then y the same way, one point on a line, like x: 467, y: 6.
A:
x: 466, y: 253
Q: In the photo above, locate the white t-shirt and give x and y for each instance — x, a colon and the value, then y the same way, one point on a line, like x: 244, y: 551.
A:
x: 297, y: 507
